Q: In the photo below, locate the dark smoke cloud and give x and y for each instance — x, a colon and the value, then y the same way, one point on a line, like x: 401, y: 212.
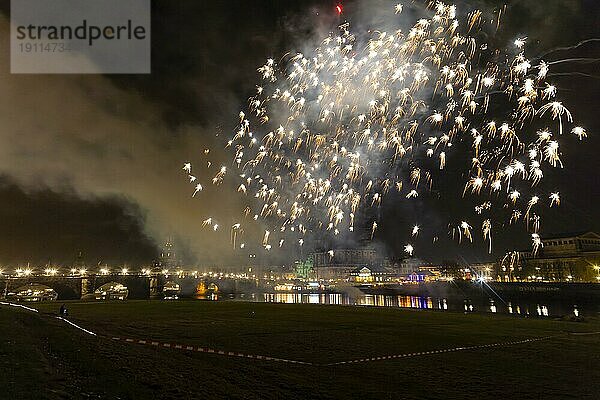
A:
x: 85, y: 136
x: 45, y: 227
x: 101, y: 138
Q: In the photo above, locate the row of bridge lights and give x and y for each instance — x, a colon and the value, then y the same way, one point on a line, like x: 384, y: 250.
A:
x: 25, y: 272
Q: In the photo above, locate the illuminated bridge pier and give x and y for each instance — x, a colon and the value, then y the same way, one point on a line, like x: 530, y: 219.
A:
x: 144, y: 285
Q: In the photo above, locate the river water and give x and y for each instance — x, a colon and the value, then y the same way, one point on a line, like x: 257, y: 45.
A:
x: 527, y: 307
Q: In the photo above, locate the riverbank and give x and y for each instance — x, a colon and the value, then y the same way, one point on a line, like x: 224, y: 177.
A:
x: 529, y: 299
x: 583, y: 291
x: 485, y: 357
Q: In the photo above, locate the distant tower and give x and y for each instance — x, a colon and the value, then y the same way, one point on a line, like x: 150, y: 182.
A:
x: 79, y: 261
x: 167, y: 255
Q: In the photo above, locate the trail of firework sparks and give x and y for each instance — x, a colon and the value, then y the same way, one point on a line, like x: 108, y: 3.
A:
x: 335, y: 131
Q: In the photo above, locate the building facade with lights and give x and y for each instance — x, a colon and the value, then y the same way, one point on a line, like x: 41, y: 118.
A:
x: 565, y: 258
x: 372, y: 274
x: 340, y: 263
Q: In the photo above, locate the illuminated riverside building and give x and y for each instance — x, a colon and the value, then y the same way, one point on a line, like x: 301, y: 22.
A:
x: 565, y: 258
x: 340, y: 263
x: 481, y: 271
x: 372, y: 274
x: 409, y: 265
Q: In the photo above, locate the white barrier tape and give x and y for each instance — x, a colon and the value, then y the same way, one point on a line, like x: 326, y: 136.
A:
x: 18, y: 305
x: 362, y: 360
x: 77, y: 326
x: 423, y: 353
x: 583, y: 333
x: 266, y: 358
x: 36, y: 311
x: 207, y: 350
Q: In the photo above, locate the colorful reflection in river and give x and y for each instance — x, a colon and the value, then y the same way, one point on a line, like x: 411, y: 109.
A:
x: 418, y: 302
x: 308, y: 298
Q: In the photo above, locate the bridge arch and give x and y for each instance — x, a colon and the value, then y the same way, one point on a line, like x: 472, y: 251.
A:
x: 111, y: 291
x: 33, y: 292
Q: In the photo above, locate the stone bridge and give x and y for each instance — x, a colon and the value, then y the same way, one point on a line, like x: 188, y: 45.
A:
x: 139, y: 286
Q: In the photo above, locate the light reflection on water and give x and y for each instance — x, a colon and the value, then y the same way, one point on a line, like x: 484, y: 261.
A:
x: 464, y: 305
x: 480, y: 305
x: 308, y: 298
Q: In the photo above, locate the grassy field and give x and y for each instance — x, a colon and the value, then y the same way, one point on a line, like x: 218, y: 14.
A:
x: 43, y: 357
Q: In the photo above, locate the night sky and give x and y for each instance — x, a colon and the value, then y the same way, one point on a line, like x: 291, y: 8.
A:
x: 92, y: 164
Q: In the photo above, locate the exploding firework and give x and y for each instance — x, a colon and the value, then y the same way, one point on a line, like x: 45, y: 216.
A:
x: 333, y: 132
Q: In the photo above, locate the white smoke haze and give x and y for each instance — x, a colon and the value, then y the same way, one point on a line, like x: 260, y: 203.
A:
x: 327, y: 130
x: 81, y: 134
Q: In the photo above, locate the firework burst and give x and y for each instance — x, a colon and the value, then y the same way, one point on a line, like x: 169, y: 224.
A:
x: 335, y: 131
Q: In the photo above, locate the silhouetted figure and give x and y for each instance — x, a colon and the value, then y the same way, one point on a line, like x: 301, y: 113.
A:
x: 63, y: 311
